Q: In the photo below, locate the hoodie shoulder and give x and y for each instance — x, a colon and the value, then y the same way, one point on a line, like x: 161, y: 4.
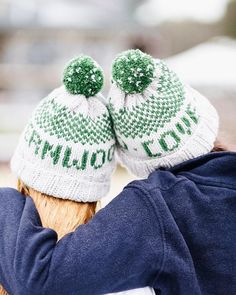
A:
x: 211, y: 169
x: 10, y: 196
x: 160, y: 179
x: 9, y: 191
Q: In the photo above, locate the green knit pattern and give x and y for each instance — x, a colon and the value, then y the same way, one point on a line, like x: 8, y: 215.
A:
x: 57, y: 120
x: 155, y: 112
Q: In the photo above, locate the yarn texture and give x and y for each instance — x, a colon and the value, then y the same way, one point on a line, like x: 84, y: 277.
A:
x: 161, y: 124
x: 67, y: 148
x: 133, y: 71
x: 83, y: 76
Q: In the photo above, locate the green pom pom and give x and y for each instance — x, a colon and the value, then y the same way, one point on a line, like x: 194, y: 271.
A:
x: 133, y: 71
x: 83, y: 76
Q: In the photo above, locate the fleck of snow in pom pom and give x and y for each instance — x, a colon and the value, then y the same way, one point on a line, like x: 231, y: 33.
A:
x: 83, y: 76
x: 133, y: 71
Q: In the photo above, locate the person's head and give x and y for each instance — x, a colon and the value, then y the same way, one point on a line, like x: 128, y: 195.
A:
x: 158, y: 120
x: 65, y: 155
x: 61, y: 215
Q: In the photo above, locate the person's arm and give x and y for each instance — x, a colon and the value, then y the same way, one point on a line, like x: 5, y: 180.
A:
x: 120, y: 248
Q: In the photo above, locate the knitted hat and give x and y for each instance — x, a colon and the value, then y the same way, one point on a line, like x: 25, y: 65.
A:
x: 67, y: 148
x: 158, y: 120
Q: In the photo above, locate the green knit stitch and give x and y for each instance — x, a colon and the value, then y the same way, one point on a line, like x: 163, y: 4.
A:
x: 47, y: 147
x: 94, y: 162
x: 56, y: 154
x: 155, y: 112
x: 57, y: 120
x: 36, y: 140
x: 111, y: 153
x: 64, y: 155
x: 147, y: 149
x: 164, y: 144
x: 83, y: 164
x: 170, y: 140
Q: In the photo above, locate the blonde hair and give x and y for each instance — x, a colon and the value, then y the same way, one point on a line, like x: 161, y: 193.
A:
x: 220, y: 147
x: 63, y: 216
x: 2, y: 291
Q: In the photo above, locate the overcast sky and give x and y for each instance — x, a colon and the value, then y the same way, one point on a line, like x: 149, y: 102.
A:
x: 155, y: 11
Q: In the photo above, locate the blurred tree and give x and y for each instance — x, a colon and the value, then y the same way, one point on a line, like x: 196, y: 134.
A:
x: 229, y: 20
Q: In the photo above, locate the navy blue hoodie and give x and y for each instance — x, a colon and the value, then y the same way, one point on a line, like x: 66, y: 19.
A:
x: 175, y: 231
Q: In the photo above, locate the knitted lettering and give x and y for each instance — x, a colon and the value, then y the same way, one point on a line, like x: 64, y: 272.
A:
x: 192, y: 114
x: 83, y: 164
x: 166, y: 143
x: 146, y: 146
x: 35, y: 138
x: 55, y: 155
x: 66, y: 159
x: 171, y: 139
x: 111, y: 152
x: 98, y: 159
x: 46, y: 147
x: 63, y: 156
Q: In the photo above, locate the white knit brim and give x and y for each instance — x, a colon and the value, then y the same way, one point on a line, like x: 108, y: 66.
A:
x: 60, y: 186
x: 200, y: 143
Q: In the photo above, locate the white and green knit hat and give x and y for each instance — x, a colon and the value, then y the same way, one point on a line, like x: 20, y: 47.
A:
x: 67, y: 148
x: 158, y: 120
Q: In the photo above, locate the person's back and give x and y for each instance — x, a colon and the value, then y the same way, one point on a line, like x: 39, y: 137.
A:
x: 183, y: 239
x: 196, y: 206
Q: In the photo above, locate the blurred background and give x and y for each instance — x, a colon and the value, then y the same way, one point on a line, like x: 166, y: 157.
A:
x: 37, y: 37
